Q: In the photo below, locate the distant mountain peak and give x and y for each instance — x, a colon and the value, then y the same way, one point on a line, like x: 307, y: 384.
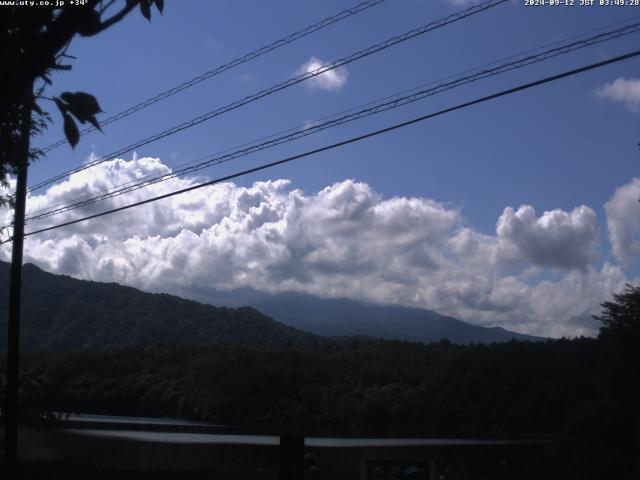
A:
x: 347, y: 317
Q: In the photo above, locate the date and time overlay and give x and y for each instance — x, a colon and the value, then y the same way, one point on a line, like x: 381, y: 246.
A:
x: 581, y: 3
x: 526, y: 3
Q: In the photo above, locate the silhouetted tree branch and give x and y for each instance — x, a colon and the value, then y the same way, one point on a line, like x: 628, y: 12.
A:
x: 33, y: 42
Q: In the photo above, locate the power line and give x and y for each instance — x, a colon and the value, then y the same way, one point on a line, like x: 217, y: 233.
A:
x: 283, y: 85
x: 396, y: 126
x: 388, y: 97
x: 227, y: 66
x: 288, y: 83
x: 216, y: 159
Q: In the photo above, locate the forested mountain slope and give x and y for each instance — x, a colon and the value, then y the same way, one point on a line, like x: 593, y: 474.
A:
x: 62, y: 313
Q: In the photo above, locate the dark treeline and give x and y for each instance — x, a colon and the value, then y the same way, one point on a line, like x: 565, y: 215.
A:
x: 563, y: 387
x: 585, y: 390
x: 440, y: 388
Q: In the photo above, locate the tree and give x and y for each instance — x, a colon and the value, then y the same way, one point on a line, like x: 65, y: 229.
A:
x: 620, y: 340
x: 33, y: 44
x: 620, y: 343
x: 621, y: 318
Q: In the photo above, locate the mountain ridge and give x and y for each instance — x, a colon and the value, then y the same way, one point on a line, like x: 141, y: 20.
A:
x: 64, y: 313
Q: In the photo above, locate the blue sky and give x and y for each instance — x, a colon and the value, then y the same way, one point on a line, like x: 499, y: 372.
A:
x: 557, y: 147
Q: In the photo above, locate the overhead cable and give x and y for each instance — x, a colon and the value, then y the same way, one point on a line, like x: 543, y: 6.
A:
x: 227, y: 66
x: 281, y: 86
x: 396, y: 126
x: 216, y: 159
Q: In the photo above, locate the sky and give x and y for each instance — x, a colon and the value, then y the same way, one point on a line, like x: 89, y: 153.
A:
x: 521, y: 212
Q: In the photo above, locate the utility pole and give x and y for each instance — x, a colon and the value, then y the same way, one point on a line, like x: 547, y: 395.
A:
x: 15, y: 288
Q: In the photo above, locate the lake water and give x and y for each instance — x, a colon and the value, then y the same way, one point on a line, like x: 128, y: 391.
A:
x: 146, y: 444
x: 119, y: 420
x: 181, y: 437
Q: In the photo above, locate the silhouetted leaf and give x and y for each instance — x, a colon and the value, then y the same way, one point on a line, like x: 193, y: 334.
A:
x: 66, y: 96
x: 61, y: 106
x: 85, y: 101
x: 92, y: 120
x: 82, y: 105
x: 145, y: 8
x: 160, y: 5
x: 71, y: 130
x: 89, y: 101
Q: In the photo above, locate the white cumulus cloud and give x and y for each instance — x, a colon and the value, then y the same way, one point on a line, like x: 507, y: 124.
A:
x: 623, y: 221
x: 555, y: 239
x: 330, y: 80
x: 622, y: 90
x: 345, y: 240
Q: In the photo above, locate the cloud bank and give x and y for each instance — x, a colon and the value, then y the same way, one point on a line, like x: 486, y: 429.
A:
x: 536, y: 274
